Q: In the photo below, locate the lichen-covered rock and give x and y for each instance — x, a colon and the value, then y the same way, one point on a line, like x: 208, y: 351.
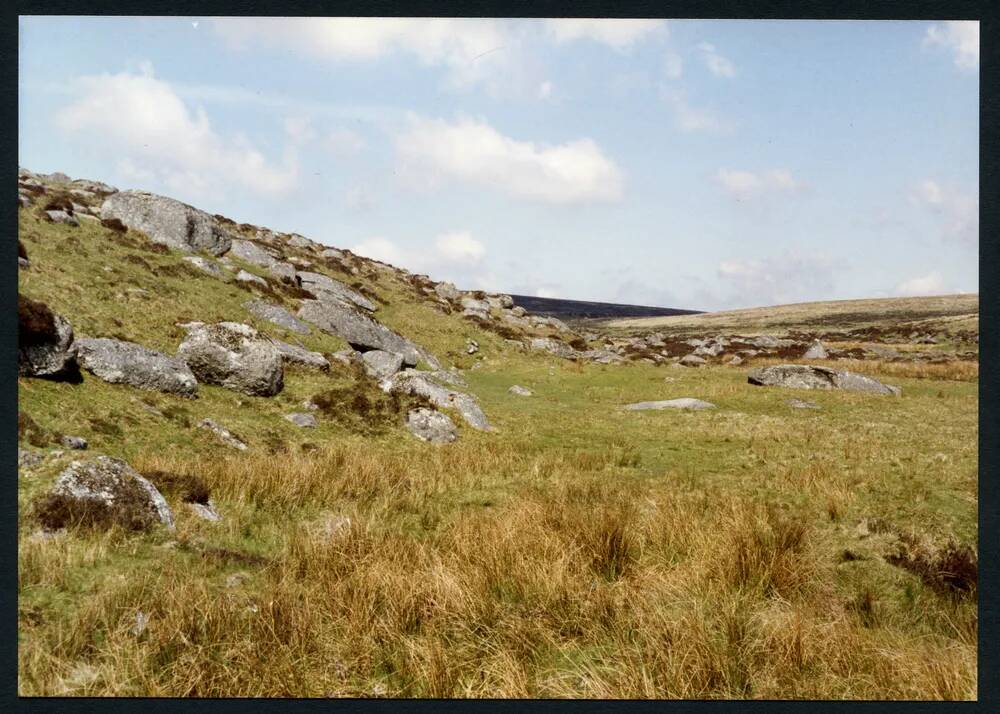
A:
x: 447, y: 291
x: 46, y: 347
x: 800, y: 376
x: 422, y: 384
x: 305, y: 421
x: 323, y: 287
x: 103, y: 491
x: 74, y: 442
x: 431, y: 425
x: 293, y: 354
x: 168, y: 221
x: 692, y: 360
x: 520, y: 391
x: 816, y: 351
x: 559, y: 349
x: 205, y: 265
x: 682, y: 403
x: 360, y: 331
x: 249, y: 278
x: 232, y: 355
x: 120, y: 362
x: 380, y: 364
x: 277, y: 315
x: 62, y: 217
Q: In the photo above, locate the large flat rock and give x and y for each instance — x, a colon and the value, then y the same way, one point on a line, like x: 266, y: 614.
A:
x: 801, y: 376
x: 360, y: 331
x: 168, y: 221
x: 120, y: 362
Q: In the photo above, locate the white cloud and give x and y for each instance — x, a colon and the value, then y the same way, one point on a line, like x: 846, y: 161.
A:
x: 957, y: 211
x: 382, y: 249
x: 299, y: 129
x: 691, y: 119
x: 716, y: 63
x: 744, y: 184
x: 141, y: 121
x: 961, y: 37
x: 344, y: 142
x: 777, y: 280
x: 467, y: 47
x: 673, y: 66
x: 471, y: 150
x: 460, y: 247
x: 930, y: 284
x: 620, y: 34
x: 545, y: 90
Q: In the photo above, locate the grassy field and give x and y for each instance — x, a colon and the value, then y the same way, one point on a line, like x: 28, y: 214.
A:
x: 946, y: 312
x: 751, y: 551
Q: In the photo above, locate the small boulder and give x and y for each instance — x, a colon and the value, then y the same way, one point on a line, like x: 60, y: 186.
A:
x: 380, y: 364
x: 74, y: 442
x: 27, y: 459
x: 431, y: 425
x: 331, y: 253
x: 206, y: 511
x: 293, y: 354
x: 168, y: 221
x: 62, y: 217
x: 802, y: 404
x: 692, y: 360
x: 548, y: 344
x: 816, y: 351
x: 325, y: 288
x: 422, y: 384
x: 447, y: 291
x: 225, y: 436
x: 800, y: 376
x: 120, y: 362
x: 277, y: 315
x: 306, y: 421
x: 520, y: 391
x: 206, y: 266
x: 682, y: 403
x: 233, y: 355
x: 471, y: 347
x: 103, y: 491
x: 246, y: 277
x: 46, y: 347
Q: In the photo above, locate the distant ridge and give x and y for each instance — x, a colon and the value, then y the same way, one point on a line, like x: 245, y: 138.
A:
x: 578, y: 309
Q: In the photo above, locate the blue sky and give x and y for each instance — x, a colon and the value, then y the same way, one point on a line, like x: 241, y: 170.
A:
x: 700, y: 164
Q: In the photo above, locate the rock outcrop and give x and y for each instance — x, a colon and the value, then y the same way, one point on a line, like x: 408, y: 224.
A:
x: 277, y: 315
x: 325, y: 288
x: 168, y: 221
x: 232, y: 355
x: 46, y: 347
x: 120, y: 362
x: 430, y: 425
x: 380, y: 364
x: 800, y: 376
x: 293, y: 354
x: 360, y: 331
x: 412, y: 381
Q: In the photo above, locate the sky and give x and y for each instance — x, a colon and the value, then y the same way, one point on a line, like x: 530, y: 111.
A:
x: 691, y: 164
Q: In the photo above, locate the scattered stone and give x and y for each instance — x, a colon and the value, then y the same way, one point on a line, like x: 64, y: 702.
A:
x: 682, y: 403
x: 692, y: 360
x: 802, y: 404
x: 105, y: 489
x: 422, y: 384
x: 360, y: 331
x: 431, y: 425
x: 734, y: 361
x: 380, y: 364
x: 74, y: 442
x: 471, y: 347
x: 245, y: 277
x: 223, y: 433
x: 816, y: 351
x: 447, y: 291
x: 293, y: 354
x: 120, y: 362
x: 297, y: 241
x: 520, y: 391
x: 800, y: 376
x: 310, y: 405
x: 277, y: 315
x: 306, y: 421
x: 711, y: 350
x: 601, y: 356
x: 205, y: 265
x: 168, y: 221
x: 233, y: 355
x: 206, y: 511
x: 548, y: 344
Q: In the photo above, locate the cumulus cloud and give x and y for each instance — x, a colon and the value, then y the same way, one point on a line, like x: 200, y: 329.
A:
x: 959, y: 36
x: 958, y: 212
x: 379, y: 248
x: 930, y: 284
x: 777, y: 280
x: 472, y: 151
x: 141, y: 121
x: 454, y: 255
x: 545, y: 90
x: 673, y: 66
x: 620, y: 34
x: 692, y: 119
x: 744, y: 184
x: 460, y: 247
x: 466, y: 47
x: 718, y: 65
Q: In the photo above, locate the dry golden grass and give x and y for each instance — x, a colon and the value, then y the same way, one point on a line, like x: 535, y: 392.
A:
x: 592, y: 587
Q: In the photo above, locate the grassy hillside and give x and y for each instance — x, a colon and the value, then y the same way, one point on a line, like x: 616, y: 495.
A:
x: 944, y: 312
x: 581, y: 550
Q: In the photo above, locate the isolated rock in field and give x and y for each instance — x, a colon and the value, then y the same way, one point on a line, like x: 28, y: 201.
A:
x: 121, y: 362
x: 167, y: 221
x: 324, y: 288
x: 682, y: 403
x: 734, y: 361
x: 600, y: 356
x: 306, y: 421
x: 246, y: 277
x: 802, y: 404
x: 360, y: 331
x: 232, y: 355
x: 205, y: 265
x: 277, y: 315
x: 422, y: 384
x: 206, y: 511
x: 447, y: 291
x: 520, y: 391
x: 225, y: 436
x: 692, y: 361
x: 293, y: 354
x: 46, y: 347
x: 800, y: 376
x: 430, y: 425
x: 74, y: 442
x: 816, y: 351
x: 559, y: 349
x: 104, y: 490
x: 471, y: 347
x: 62, y: 217
x: 380, y: 364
